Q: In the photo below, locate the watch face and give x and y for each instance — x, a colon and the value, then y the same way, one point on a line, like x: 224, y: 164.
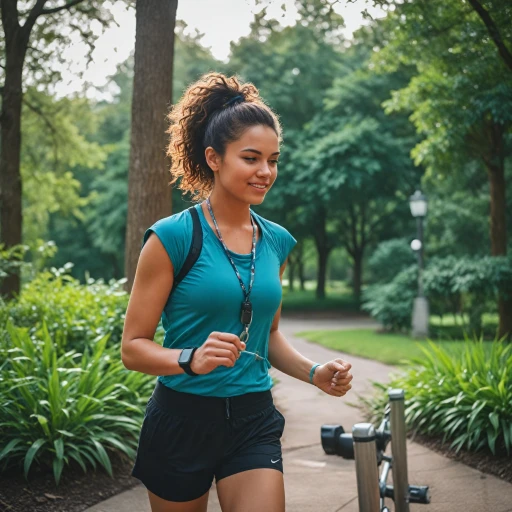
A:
x: 185, y: 355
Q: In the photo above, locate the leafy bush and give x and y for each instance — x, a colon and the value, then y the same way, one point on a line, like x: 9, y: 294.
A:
x: 389, y: 259
x: 71, y: 310
x: 464, y: 287
x: 464, y: 395
x: 391, y: 303
x: 56, y: 408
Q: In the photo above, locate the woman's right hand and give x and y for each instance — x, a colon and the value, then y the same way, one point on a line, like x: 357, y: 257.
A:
x: 220, y: 349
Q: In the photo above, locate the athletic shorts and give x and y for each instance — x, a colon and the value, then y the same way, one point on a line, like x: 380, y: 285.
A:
x: 186, y: 440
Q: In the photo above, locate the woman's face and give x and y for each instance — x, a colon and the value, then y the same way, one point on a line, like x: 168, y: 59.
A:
x: 249, y: 166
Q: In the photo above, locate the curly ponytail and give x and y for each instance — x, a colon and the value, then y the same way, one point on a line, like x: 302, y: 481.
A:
x: 213, y: 111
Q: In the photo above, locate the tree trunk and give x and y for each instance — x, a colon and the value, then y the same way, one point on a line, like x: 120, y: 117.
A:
x: 10, y: 148
x: 357, y: 278
x: 300, y: 267
x: 496, y: 173
x: 149, y: 196
x: 323, y: 256
x: 291, y: 273
x: 323, y: 248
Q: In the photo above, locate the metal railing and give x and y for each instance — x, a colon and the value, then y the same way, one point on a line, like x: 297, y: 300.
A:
x: 367, y: 446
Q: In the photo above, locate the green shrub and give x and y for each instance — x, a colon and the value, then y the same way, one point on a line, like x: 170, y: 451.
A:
x: 71, y: 310
x: 389, y: 259
x: 391, y: 303
x: 73, y: 406
x: 464, y: 395
x: 463, y: 287
x: 467, y: 286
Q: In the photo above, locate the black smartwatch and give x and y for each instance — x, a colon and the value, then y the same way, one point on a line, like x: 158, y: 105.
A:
x: 186, y: 358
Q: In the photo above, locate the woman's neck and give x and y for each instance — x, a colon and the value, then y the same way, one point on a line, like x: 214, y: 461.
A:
x: 229, y: 211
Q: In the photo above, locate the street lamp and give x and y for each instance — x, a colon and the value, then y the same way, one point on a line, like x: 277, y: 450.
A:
x: 418, y: 204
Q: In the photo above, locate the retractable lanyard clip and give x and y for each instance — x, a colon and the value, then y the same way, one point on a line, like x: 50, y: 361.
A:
x: 244, y: 337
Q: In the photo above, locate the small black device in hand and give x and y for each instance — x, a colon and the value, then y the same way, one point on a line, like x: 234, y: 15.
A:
x: 185, y: 360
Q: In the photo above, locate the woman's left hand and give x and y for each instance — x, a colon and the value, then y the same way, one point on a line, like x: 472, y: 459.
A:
x: 333, y: 377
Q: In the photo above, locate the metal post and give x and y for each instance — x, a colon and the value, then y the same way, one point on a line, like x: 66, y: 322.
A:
x: 399, y: 450
x: 419, y: 221
x: 367, y: 472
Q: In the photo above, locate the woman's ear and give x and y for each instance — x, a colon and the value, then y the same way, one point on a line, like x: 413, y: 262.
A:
x: 212, y: 158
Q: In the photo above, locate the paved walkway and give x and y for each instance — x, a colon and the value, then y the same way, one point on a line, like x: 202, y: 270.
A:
x: 315, y: 482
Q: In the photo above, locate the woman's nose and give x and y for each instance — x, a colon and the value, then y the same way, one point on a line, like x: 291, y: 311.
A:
x: 264, y: 170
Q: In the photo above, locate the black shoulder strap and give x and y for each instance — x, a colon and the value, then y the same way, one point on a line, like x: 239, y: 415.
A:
x: 195, y: 248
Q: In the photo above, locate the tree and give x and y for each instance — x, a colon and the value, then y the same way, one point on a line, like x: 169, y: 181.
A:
x: 460, y: 95
x: 149, y: 199
x: 96, y: 242
x: 31, y: 35
x: 295, y: 66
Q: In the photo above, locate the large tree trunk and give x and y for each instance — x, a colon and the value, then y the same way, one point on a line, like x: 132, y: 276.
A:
x: 16, y: 42
x: 149, y: 196
x: 496, y: 173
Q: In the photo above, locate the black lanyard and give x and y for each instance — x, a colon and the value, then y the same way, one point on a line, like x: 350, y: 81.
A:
x: 246, y: 310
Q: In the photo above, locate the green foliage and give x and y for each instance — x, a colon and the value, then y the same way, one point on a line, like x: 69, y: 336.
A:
x: 62, y: 406
x: 465, y: 287
x: 55, y: 143
x: 389, y: 258
x: 465, y: 395
x: 75, y: 312
x: 391, y: 303
x: 307, y: 301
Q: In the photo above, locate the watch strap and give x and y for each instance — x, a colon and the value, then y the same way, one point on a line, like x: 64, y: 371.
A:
x: 186, y: 366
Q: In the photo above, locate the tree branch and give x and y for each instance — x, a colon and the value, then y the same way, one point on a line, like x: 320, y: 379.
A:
x: 32, y: 17
x: 493, y: 32
x: 62, y: 7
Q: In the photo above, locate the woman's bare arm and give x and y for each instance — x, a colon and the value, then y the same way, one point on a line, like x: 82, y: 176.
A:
x: 281, y: 354
x: 153, y: 282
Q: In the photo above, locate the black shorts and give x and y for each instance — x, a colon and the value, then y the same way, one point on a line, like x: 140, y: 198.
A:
x: 186, y: 440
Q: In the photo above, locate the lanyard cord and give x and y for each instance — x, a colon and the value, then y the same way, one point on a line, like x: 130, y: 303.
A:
x: 253, y: 251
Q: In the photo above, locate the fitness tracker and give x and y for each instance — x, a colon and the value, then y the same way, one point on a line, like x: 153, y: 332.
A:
x: 185, y: 359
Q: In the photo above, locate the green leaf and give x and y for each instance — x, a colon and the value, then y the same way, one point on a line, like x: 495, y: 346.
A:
x: 31, y: 453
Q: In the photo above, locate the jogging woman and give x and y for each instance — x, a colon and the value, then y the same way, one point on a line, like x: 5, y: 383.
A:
x: 211, y: 414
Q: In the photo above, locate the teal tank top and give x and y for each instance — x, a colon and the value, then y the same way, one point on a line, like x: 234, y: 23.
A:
x: 210, y: 297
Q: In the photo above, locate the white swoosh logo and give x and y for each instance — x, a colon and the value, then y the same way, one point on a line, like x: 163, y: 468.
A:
x: 274, y: 461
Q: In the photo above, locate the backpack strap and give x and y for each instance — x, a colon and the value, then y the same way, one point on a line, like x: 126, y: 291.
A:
x: 195, y: 248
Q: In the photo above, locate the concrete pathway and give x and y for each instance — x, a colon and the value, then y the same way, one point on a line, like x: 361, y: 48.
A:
x: 315, y: 482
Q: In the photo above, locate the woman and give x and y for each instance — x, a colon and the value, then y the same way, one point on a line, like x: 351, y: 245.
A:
x: 211, y: 414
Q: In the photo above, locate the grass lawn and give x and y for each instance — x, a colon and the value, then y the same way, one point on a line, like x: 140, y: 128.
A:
x: 387, y: 348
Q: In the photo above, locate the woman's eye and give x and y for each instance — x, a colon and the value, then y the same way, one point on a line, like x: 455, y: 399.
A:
x: 275, y: 162
x: 250, y: 159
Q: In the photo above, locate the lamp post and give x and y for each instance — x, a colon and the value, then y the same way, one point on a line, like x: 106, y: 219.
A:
x: 418, y: 204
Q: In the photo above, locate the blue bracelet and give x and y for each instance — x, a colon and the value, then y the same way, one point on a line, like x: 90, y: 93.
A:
x: 312, y: 372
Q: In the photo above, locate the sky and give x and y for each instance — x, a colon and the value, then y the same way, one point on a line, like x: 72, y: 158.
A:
x: 221, y: 21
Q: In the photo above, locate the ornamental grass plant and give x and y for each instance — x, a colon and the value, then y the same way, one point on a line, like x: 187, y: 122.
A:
x: 60, y: 406
x: 463, y: 395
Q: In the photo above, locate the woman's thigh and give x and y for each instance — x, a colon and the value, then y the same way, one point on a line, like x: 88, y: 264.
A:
x: 161, y: 505
x: 252, y: 491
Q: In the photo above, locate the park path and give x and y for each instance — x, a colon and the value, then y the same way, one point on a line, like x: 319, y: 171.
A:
x: 315, y: 482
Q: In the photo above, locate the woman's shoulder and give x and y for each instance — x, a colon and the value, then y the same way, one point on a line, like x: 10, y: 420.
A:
x: 272, y: 227
x: 279, y: 237
x: 176, y: 222
x: 175, y: 233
